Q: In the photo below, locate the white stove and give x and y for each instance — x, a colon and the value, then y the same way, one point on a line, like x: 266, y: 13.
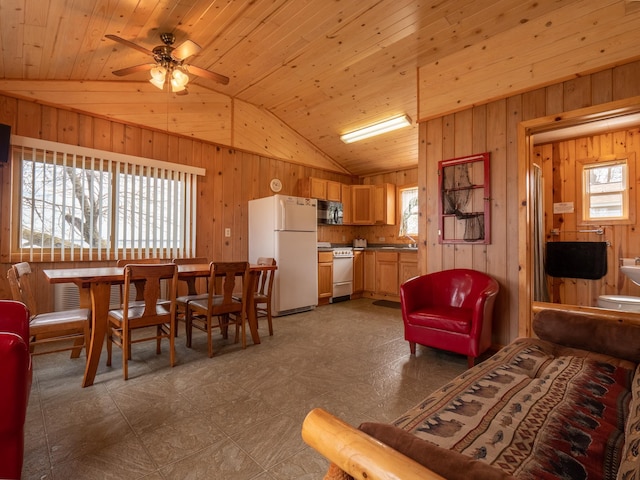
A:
x: 343, y: 252
x: 342, y: 271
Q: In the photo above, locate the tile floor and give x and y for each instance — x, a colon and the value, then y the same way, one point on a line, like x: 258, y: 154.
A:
x: 235, y: 416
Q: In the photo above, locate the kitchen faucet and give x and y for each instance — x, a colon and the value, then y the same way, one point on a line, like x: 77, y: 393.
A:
x: 413, y: 243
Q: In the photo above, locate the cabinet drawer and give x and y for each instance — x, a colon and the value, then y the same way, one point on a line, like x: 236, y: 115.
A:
x: 325, y: 257
x: 409, y: 257
x: 387, y: 256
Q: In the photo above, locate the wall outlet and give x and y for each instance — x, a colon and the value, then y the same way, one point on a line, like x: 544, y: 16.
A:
x: 381, y: 239
x: 227, y: 232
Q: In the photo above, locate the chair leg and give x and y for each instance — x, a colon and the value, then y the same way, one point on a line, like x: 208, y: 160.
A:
x: 412, y: 347
x: 209, y: 339
x: 269, y: 319
x: 471, y: 361
x: 172, y: 342
x: 109, y: 344
x: 158, y: 339
x: 243, y: 322
x: 126, y: 347
x: 77, y: 344
x: 188, y: 326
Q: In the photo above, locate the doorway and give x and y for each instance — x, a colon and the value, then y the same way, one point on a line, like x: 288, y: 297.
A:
x: 584, y: 122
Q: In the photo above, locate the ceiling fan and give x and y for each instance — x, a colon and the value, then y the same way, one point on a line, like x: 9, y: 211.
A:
x: 169, y: 67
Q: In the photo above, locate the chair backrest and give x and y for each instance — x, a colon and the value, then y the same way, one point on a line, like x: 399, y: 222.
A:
x: 460, y: 287
x: 264, y: 285
x: 147, y: 278
x: 227, y: 278
x: 22, y: 289
x: 452, y: 288
x: 139, y: 261
x: 190, y: 260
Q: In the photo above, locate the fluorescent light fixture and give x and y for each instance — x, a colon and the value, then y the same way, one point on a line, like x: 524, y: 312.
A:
x: 376, y: 129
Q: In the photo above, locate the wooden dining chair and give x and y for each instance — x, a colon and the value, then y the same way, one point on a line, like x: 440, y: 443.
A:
x: 192, y: 291
x: 153, y: 311
x: 121, y: 263
x: 262, y: 293
x: 55, y: 329
x: 225, y: 278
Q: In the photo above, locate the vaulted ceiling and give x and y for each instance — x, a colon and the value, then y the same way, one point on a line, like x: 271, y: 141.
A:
x: 316, y: 68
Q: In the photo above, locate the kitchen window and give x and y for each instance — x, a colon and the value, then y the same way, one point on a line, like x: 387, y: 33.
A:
x: 605, y: 196
x: 408, y: 201
x: 75, y: 203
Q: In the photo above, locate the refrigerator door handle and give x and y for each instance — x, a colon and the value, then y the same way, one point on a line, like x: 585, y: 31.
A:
x: 282, y: 216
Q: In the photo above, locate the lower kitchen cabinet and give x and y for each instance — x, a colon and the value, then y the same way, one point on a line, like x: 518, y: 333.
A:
x: 325, y: 277
x: 407, y: 266
x: 369, y: 270
x: 358, y: 271
x: 387, y: 273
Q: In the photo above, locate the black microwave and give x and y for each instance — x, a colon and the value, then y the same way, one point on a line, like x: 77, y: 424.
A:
x: 329, y: 213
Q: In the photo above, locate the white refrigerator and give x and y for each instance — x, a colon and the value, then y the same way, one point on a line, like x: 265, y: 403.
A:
x: 285, y: 228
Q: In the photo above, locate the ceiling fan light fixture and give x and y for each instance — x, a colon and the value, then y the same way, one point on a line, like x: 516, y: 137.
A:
x: 179, y: 80
x: 158, y: 76
x: 377, y: 129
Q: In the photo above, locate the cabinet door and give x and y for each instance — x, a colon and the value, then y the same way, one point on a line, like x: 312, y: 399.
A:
x: 384, y: 204
x: 362, y: 196
x: 387, y: 273
x: 334, y: 192
x: 358, y: 271
x: 325, y: 274
x: 407, y: 266
x: 370, y: 271
x: 318, y: 188
x: 347, y: 208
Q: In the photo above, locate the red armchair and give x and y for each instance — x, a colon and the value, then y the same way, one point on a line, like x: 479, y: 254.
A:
x: 15, y: 384
x: 451, y: 310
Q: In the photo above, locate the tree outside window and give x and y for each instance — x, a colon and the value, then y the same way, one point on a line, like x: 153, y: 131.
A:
x: 408, y: 211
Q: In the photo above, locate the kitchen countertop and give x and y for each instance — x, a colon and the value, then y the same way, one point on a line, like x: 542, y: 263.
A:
x: 392, y: 248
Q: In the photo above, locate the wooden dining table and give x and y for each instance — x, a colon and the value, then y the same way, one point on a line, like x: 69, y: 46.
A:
x: 95, y: 292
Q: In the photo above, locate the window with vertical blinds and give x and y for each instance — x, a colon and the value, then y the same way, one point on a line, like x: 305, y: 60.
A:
x: 76, y: 203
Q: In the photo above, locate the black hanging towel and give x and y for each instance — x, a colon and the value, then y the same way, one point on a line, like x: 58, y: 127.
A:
x: 586, y: 260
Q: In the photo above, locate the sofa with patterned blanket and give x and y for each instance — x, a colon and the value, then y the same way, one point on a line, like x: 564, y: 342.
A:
x: 563, y: 405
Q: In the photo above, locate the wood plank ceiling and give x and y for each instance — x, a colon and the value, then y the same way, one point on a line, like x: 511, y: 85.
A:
x: 320, y: 67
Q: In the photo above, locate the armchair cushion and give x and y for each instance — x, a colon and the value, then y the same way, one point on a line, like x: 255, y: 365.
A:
x: 443, y: 318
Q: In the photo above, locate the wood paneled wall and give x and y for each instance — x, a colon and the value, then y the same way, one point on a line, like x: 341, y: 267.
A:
x: 233, y: 176
x: 558, y: 162
x: 493, y: 127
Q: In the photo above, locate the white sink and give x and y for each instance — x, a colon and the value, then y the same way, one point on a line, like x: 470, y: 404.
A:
x: 632, y: 272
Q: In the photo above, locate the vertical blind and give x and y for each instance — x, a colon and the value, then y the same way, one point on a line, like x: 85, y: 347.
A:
x: 77, y: 203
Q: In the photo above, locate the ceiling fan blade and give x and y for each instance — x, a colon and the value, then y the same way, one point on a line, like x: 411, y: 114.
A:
x: 138, y: 68
x: 183, y: 92
x: 201, y: 72
x: 185, y: 49
x: 115, y: 38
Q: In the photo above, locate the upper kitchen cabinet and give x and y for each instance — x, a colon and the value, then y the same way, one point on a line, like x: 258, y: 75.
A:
x: 334, y: 191
x: 362, y: 197
x: 320, y: 188
x: 384, y: 204
x: 347, y: 204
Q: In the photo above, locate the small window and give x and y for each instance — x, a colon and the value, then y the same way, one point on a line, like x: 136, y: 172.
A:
x: 605, y: 190
x: 408, y: 211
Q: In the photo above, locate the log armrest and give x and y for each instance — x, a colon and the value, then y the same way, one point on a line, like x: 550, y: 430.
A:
x: 358, y: 454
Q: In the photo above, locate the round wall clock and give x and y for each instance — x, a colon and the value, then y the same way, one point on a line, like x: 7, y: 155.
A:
x: 276, y: 185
